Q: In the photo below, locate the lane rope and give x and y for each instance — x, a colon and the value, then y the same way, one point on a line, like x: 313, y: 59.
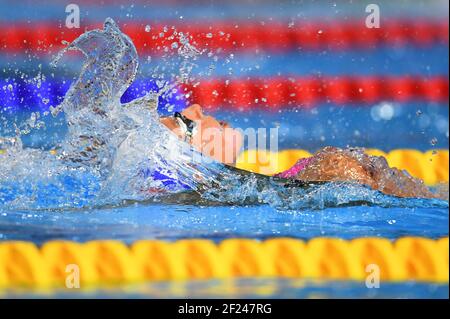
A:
x: 23, y: 264
x: 259, y: 93
x: 276, y: 93
x: 237, y: 35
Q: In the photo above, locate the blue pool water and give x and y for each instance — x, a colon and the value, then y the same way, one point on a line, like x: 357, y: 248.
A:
x: 170, y: 222
x: 332, y: 211
x: 252, y: 288
x: 217, y: 222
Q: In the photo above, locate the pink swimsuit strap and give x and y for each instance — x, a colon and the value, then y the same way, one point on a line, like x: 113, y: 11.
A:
x: 294, y: 170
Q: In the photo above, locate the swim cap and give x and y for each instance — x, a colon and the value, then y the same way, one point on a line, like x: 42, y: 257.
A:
x: 169, y: 102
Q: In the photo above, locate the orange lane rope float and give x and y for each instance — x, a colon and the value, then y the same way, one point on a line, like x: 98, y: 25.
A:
x: 23, y: 264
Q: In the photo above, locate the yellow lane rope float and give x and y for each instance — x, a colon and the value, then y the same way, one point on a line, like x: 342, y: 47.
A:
x: 430, y: 166
x: 23, y: 264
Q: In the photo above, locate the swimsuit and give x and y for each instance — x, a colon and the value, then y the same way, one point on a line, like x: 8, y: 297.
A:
x: 294, y: 170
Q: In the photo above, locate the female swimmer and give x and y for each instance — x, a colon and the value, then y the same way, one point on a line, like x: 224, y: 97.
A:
x: 218, y: 140
x: 112, y: 58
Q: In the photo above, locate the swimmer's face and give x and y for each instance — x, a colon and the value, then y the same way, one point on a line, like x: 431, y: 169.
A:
x: 214, y: 138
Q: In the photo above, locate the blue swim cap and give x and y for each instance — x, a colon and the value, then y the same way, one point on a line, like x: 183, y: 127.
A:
x: 169, y: 102
x: 170, y: 184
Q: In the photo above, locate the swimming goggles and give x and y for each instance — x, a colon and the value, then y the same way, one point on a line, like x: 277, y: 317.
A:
x: 189, y: 127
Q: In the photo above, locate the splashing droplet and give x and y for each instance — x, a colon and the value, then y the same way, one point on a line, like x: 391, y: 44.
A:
x: 433, y: 141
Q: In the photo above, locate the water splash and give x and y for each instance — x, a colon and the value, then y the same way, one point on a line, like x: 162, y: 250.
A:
x: 252, y: 189
x: 108, y: 144
x: 113, y: 152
